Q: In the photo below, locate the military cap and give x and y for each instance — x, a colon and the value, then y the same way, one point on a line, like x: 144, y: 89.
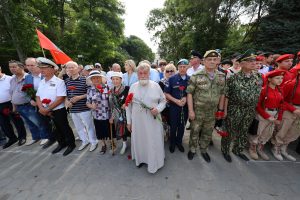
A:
x: 274, y: 73
x: 97, y: 65
x: 284, y: 57
x: 42, y: 62
x: 196, y: 54
x: 226, y: 61
x: 248, y: 55
x: 183, y: 62
x: 211, y: 53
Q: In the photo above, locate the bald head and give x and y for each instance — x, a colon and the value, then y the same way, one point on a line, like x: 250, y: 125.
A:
x: 32, y: 66
x: 116, y: 67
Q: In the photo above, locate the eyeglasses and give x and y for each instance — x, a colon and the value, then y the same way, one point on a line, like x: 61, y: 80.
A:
x: 169, y: 71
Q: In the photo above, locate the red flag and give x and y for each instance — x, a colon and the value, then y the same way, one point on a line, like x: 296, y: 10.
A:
x: 58, y: 55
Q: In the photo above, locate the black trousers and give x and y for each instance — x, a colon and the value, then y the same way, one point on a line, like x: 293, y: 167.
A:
x: 178, y: 118
x: 63, y: 132
x: 6, y: 117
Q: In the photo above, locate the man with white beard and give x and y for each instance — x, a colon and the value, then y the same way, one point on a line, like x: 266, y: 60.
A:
x: 144, y: 120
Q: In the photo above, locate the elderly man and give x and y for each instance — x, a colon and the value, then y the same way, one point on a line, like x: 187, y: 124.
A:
x: 6, y: 114
x: 176, y: 94
x: 50, y: 99
x: 80, y: 113
x: 115, y: 68
x: 39, y: 125
x: 144, y: 121
x: 195, y: 63
x: 242, y: 93
x: 205, y: 96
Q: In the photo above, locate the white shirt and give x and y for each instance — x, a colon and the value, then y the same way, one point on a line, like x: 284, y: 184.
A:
x: 5, y: 88
x: 51, y: 89
x: 264, y: 69
x: 192, y: 71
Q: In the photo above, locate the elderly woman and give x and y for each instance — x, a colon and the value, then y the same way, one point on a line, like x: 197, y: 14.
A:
x: 170, y: 70
x: 130, y: 77
x: 143, y: 120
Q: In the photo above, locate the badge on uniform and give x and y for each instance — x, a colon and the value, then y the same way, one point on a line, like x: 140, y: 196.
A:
x: 52, y: 84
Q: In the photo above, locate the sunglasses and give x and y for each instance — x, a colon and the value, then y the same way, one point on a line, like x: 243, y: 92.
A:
x: 169, y: 71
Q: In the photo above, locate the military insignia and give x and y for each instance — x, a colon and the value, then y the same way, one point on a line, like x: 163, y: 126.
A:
x: 52, y: 84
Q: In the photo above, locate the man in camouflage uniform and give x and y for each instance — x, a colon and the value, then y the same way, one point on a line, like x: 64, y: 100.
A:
x: 205, y: 89
x: 241, y: 96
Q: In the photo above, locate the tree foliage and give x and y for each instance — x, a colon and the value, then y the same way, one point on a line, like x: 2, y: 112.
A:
x: 91, y: 28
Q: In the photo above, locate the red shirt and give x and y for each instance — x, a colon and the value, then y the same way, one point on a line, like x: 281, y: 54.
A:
x: 287, y: 77
x: 294, y: 71
x: 272, y: 100
x: 288, y: 89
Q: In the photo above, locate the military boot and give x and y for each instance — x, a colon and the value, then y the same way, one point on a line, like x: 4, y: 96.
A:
x: 261, y: 153
x: 276, y: 153
x: 252, y: 152
x: 285, y: 153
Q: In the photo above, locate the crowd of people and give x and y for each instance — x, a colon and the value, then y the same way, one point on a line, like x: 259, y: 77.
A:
x: 249, y: 100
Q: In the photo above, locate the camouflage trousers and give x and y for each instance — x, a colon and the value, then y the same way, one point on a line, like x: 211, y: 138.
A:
x: 201, y: 130
x: 237, y: 123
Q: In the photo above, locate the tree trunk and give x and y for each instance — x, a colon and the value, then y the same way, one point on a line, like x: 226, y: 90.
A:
x: 13, y: 34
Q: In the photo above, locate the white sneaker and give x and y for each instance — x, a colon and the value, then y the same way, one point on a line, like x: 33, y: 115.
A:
x: 44, y: 141
x: 93, y: 147
x: 277, y: 154
x: 31, y: 142
x: 286, y: 154
x: 82, y: 146
x: 123, y: 148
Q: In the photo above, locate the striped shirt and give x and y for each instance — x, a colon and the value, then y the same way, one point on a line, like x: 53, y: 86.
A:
x: 77, y: 87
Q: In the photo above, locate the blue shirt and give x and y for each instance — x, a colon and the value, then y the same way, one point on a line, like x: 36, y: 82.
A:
x: 154, y: 75
x: 175, y: 82
x: 129, y: 81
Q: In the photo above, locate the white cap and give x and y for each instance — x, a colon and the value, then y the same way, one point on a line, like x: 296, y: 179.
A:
x: 116, y: 74
x: 42, y: 62
x: 88, y: 67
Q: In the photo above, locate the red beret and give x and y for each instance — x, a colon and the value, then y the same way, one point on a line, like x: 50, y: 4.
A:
x: 260, y: 58
x: 274, y: 73
x: 284, y: 57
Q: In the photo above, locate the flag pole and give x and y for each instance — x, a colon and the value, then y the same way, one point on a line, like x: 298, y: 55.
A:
x: 43, y: 52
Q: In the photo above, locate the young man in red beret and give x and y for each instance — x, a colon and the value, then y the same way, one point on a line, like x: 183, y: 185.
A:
x: 289, y: 130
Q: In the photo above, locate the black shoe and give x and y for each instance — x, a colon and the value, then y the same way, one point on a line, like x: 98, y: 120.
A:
x: 243, y: 156
x: 298, y: 150
x: 180, y: 147
x: 172, y: 148
x: 69, y: 150
x: 48, y: 144
x: 58, y: 149
x: 211, y: 143
x: 21, y: 142
x: 206, y: 157
x: 141, y: 165
x: 191, y: 155
x: 9, y: 143
x: 227, y: 157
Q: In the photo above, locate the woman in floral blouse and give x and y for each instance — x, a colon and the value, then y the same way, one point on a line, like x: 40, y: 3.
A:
x: 97, y: 101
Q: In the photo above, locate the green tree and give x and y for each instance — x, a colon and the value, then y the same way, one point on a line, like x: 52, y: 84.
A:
x: 278, y: 31
x: 137, y: 49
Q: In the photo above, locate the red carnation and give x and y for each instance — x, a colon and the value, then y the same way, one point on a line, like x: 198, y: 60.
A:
x: 26, y: 87
x: 108, y: 92
x: 129, y: 99
x: 129, y: 157
x: 6, y: 111
x: 71, y: 88
x: 223, y: 133
x: 46, y: 101
x: 181, y: 88
x: 99, y: 87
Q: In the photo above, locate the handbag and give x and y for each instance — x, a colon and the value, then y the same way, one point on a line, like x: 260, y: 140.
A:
x: 253, y: 127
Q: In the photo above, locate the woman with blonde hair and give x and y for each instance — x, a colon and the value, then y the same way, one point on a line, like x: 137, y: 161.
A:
x: 130, y: 77
x: 170, y: 70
